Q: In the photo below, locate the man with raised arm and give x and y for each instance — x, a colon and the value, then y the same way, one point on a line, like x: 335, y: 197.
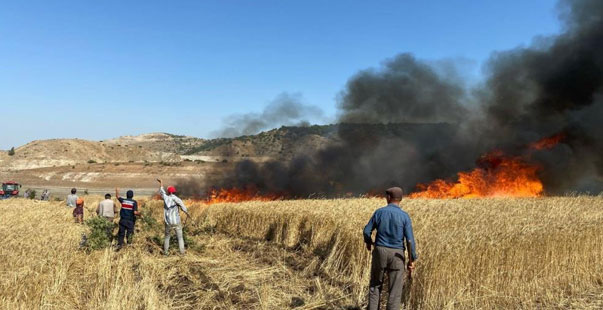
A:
x: 171, y: 216
x: 127, y: 217
x: 393, y: 227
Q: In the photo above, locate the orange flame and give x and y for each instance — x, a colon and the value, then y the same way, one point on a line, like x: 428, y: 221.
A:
x: 238, y: 195
x: 498, y: 176
x: 548, y: 142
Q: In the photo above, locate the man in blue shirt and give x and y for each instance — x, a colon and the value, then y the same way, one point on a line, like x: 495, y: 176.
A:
x: 393, y: 226
x: 127, y: 217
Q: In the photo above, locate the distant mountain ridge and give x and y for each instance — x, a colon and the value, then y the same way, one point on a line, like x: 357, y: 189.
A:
x: 281, y: 144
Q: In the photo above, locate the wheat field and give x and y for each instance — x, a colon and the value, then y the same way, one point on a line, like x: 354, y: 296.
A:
x: 537, y: 253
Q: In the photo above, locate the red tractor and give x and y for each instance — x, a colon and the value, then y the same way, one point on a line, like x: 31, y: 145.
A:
x: 9, y: 189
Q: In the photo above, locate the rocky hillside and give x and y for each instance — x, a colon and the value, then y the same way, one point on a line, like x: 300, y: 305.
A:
x: 281, y: 144
x: 64, y: 152
x: 287, y: 141
x: 276, y: 143
x: 160, y: 142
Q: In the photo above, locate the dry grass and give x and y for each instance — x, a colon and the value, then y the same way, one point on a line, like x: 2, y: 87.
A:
x: 541, y: 253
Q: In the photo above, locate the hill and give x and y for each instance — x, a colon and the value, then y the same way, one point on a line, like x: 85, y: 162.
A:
x: 287, y: 141
x: 129, y: 159
x: 160, y: 142
x: 66, y: 152
x: 280, y: 143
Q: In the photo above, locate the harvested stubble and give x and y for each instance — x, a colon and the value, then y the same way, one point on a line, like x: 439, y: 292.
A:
x: 43, y: 268
x: 540, y: 253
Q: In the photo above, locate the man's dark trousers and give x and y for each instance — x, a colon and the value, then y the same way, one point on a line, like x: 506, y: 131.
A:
x: 391, y: 261
x: 125, y: 226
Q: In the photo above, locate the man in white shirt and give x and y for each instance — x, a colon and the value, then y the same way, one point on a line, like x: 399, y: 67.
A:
x: 108, y: 211
x: 106, y: 208
x: 72, y: 198
x: 171, y: 216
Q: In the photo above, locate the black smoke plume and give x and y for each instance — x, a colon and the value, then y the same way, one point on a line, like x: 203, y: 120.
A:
x: 410, y: 122
x: 556, y: 87
x: 404, y: 90
x: 395, y: 120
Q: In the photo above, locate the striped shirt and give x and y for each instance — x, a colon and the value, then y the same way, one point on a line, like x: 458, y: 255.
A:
x: 171, y: 203
x: 128, y: 207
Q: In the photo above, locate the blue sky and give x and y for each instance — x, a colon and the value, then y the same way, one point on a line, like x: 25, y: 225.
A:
x: 101, y: 69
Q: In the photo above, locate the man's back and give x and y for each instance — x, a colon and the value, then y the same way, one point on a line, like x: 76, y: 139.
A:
x: 393, y: 226
x: 72, y: 200
x: 128, y: 209
x: 171, y: 203
x: 107, y: 208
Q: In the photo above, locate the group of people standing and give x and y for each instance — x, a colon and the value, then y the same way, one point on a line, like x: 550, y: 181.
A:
x: 29, y: 193
x: 129, y: 212
x: 393, y: 226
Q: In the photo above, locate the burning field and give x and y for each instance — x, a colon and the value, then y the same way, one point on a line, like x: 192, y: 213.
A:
x: 502, y: 178
x: 497, y: 175
x: 528, y: 253
x: 531, y: 127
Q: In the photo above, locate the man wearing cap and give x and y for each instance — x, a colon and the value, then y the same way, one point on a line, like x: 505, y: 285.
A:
x: 127, y: 217
x: 393, y: 226
x: 171, y: 216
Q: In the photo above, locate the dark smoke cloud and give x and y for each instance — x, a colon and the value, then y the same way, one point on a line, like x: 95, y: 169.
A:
x: 555, y: 87
x: 191, y: 188
x: 286, y: 109
x: 404, y: 90
x: 366, y: 157
x: 411, y: 121
x: 394, y: 123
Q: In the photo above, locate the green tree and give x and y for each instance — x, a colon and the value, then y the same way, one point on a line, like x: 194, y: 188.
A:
x: 11, y: 152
